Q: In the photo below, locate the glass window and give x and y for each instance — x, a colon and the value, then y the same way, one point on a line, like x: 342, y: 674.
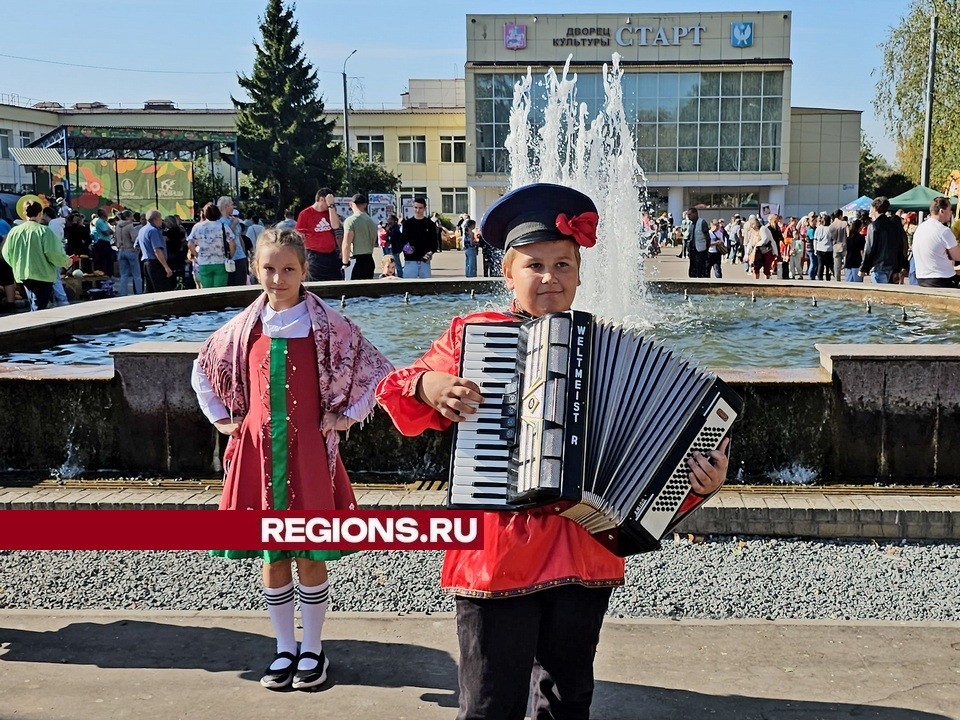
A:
x: 769, y: 159
x: 667, y: 160
x: 729, y: 159
x: 709, y: 109
x: 730, y: 84
x: 647, y: 85
x: 749, y: 159
x: 688, y: 135
x: 772, y: 108
x: 647, y: 110
x: 750, y: 134
x: 647, y: 157
x: 770, y: 134
x: 485, y: 136
x: 484, y: 111
x: 708, y: 159
x: 413, y: 148
x: 371, y: 147
x: 709, y: 84
x: 709, y: 135
x: 453, y: 148
x: 667, y: 85
x: 752, y: 83
x: 453, y: 200
x: 687, y: 160
x: 688, y: 85
x: 483, y: 85
x: 503, y: 86
x: 689, y: 109
x: 501, y: 161
x: 485, y: 160
x: 501, y: 111
x: 26, y: 137
x: 730, y: 109
x: 773, y: 83
x: 750, y: 109
x: 410, y: 192
x: 647, y: 134
x: 729, y: 134
x: 667, y: 110
x: 666, y: 136
x: 4, y: 144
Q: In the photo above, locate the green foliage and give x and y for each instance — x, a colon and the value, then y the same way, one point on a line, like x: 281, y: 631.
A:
x: 901, y: 88
x: 207, y: 186
x: 365, y: 176
x: 282, y: 133
x: 874, y: 169
x: 893, y: 184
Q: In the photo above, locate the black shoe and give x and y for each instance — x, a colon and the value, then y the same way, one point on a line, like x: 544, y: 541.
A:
x: 278, y: 679
x: 306, y: 679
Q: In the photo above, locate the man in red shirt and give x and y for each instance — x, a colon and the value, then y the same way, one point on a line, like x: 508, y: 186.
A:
x: 322, y: 233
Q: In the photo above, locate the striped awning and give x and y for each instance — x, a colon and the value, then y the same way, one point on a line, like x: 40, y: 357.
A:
x: 37, y: 156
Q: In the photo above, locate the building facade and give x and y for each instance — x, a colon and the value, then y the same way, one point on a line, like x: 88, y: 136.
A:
x: 707, y: 95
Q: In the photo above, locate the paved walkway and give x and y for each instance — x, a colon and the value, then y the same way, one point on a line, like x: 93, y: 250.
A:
x: 164, y: 665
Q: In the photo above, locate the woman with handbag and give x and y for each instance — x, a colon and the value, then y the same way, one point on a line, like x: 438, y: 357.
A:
x: 213, y: 247
x: 764, y: 253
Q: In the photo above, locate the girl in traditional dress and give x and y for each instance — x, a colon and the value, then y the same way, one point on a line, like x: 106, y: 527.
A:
x: 280, y: 379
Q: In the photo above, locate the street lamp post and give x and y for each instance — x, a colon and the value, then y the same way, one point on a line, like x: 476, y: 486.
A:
x: 346, y: 125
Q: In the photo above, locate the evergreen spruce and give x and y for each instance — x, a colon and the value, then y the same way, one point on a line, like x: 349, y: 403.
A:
x: 283, y: 137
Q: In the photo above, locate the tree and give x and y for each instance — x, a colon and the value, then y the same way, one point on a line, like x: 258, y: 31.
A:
x: 367, y: 176
x: 873, y: 168
x: 901, y: 87
x: 207, y: 185
x: 282, y: 133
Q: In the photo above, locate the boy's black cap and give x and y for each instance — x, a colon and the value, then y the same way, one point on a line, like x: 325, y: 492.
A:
x: 532, y: 213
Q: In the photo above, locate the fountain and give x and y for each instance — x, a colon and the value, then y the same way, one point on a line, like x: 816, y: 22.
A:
x: 865, y: 413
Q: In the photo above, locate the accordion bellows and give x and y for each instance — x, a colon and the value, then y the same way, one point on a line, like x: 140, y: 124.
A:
x: 591, y: 417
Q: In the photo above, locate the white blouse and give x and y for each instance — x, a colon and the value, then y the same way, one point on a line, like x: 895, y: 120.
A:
x: 290, y: 323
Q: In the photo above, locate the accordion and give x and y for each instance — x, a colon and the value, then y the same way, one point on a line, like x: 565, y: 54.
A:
x: 590, y: 417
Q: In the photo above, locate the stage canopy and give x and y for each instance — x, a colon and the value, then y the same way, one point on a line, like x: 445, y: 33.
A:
x: 135, y: 168
x: 918, y: 198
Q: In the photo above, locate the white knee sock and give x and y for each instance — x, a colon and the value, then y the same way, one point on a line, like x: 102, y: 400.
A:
x: 280, y: 605
x: 313, y: 610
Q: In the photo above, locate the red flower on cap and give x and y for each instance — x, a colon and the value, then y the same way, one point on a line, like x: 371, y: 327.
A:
x: 582, y: 227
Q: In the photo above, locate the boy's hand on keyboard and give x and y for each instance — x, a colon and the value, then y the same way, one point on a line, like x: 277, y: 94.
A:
x: 451, y: 396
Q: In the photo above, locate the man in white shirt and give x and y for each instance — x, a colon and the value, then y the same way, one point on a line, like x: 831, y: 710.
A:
x: 253, y: 232
x: 935, y: 248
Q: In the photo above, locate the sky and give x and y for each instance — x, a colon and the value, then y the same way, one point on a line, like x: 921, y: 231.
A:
x: 122, y: 52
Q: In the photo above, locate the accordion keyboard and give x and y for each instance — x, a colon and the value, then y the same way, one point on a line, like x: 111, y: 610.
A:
x: 479, y: 465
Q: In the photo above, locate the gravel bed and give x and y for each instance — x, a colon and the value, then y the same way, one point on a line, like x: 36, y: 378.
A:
x: 720, y: 577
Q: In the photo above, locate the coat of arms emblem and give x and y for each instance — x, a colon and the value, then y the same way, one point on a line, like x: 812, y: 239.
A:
x: 514, y: 36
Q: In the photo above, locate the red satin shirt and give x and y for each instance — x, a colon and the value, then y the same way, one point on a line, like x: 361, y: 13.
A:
x: 523, y: 551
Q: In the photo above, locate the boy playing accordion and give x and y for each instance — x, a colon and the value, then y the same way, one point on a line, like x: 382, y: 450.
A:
x: 530, y: 603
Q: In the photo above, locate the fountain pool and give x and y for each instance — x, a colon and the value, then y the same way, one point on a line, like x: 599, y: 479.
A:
x: 733, y: 330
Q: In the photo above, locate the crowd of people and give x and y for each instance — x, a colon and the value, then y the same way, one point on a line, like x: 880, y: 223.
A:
x: 888, y: 247
x: 132, y: 253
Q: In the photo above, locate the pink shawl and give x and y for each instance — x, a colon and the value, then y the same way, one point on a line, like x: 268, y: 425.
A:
x: 349, y: 366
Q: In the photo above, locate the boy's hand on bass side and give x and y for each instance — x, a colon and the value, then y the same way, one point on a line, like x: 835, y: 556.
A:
x: 451, y: 396
x: 708, y: 472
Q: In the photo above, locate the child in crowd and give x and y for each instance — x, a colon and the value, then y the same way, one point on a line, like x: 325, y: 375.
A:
x: 531, y: 602
x: 280, y: 379
x: 388, y: 268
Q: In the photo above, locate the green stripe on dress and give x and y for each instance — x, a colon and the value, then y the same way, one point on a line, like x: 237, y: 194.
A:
x: 279, y: 422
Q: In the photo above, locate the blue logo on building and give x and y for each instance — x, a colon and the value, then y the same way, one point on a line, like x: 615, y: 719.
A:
x: 741, y: 34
